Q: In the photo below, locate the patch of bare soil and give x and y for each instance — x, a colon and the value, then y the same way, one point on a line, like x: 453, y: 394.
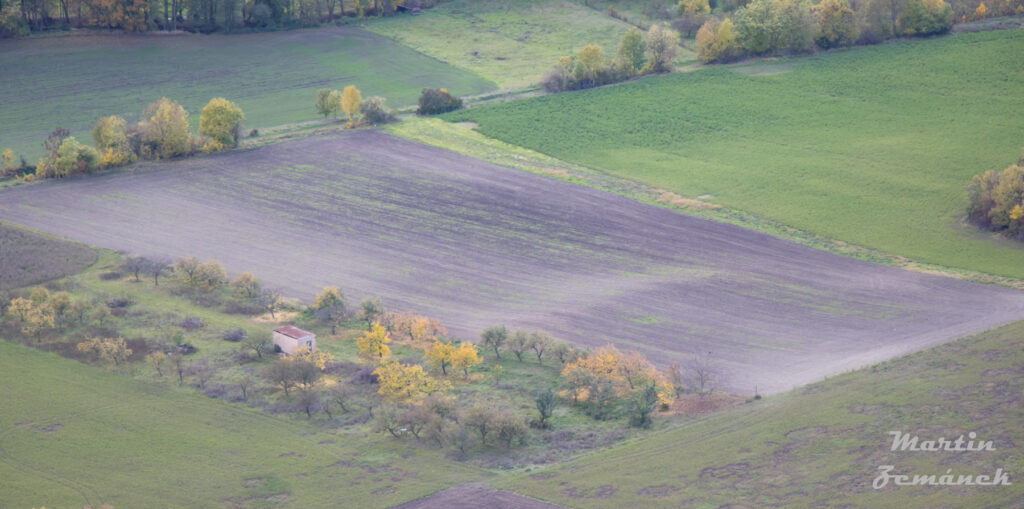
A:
x: 475, y: 496
x: 475, y: 244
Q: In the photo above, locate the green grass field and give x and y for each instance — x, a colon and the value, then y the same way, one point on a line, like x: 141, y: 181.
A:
x: 72, y: 81
x: 72, y: 435
x: 510, y: 43
x: 873, y: 146
x: 821, y: 446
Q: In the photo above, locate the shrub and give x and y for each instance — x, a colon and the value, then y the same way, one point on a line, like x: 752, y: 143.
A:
x: 996, y: 201
x: 72, y: 157
x: 234, y: 335
x: 110, y: 276
x: 192, y: 323
x: 11, y: 23
x: 375, y: 112
x: 433, y: 101
x: 164, y: 130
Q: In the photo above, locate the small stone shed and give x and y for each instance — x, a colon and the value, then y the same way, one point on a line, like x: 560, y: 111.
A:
x: 289, y: 337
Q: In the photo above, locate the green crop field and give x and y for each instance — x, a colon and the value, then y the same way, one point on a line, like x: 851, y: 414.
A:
x: 72, y: 81
x: 511, y: 43
x: 872, y: 146
x: 72, y: 435
x: 821, y: 446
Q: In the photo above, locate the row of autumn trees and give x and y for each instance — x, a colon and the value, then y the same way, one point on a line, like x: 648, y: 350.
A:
x: 19, y: 17
x: 996, y: 201
x: 162, y: 133
x: 636, y: 55
x: 764, y: 27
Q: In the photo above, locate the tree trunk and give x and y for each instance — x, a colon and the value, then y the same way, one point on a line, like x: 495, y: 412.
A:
x: 174, y: 15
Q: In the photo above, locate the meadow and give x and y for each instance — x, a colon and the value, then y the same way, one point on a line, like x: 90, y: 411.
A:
x: 72, y: 81
x: 513, y: 44
x: 475, y: 244
x: 72, y: 435
x: 822, y: 445
x: 872, y: 146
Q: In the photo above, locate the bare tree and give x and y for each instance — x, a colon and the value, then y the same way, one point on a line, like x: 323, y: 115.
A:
x: 136, y: 265
x: 157, y: 267
x: 702, y: 375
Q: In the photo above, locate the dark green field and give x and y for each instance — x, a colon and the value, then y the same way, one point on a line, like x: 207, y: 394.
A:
x: 72, y: 81
x: 872, y: 146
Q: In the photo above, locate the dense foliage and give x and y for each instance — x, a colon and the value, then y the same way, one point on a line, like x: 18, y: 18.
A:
x: 433, y: 101
x: 996, y: 200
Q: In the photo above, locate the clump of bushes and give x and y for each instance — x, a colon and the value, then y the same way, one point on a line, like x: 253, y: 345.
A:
x: 996, y: 201
x: 636, y: 55
x: 234, y: 335
x: 437, y: 100
x: 376, y: 112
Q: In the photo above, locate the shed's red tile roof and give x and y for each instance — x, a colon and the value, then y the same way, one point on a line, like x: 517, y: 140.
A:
x: 293, y: 332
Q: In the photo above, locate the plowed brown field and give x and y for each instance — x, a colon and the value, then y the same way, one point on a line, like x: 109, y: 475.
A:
x: 476, y: 244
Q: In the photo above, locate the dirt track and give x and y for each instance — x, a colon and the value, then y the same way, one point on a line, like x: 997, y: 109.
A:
x: 476, y: 244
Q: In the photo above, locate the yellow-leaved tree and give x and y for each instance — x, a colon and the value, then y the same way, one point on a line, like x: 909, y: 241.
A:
x: 318, y: 358
x: 465, y: 357
x: 221, y: 120
x: 373, y: 344
x: 351, y: 101
x: 165, y: 130
x: 406, y: 383
x: 440, y: 355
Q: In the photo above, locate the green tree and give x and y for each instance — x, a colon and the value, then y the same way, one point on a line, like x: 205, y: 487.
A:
x: 632, y: 51
x: 323, y: 102
x: 546, y: 404
x: 221, y: 120
x: 495, y: 337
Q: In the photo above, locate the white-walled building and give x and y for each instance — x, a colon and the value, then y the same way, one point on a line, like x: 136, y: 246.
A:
x: 289, y: 337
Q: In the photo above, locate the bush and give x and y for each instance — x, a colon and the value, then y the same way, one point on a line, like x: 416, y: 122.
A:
x: 192, y: 323
x: 71, y: 158
x: 434, y: 101
x: 234, y: 335
x: 375, y: 112
x: 110, y: 276
x: 996, y: 201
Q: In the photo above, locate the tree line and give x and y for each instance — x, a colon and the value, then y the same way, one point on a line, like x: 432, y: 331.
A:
x: 204, y: 16
x: 163, y: 133
x: 635, y: 56
x: 772, y: 27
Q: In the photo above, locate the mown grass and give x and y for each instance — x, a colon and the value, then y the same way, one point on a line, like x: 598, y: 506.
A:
x: 510, y: 43
x: 74, y: 80
x: 821, y: 446
x: 872, y: 146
